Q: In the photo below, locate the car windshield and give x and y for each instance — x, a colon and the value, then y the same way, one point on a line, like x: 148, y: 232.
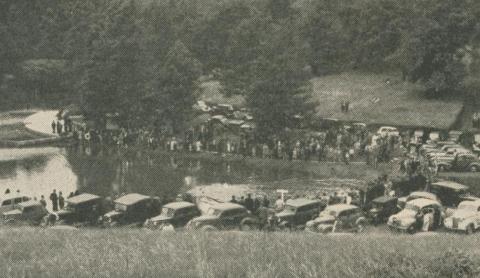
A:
x: 169, y: 212
x: 412, y: 207
x: 327, y: 212
x: 120, y: 207
x: 467, y: 207
x: 215, y: 212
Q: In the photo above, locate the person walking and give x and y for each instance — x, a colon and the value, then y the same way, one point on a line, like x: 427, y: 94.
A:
x: 61, y: 200
x: 43, y: 202
x: 54, y: 199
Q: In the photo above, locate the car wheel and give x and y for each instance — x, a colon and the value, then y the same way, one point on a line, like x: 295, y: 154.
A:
x: 361, y: 227
x: 411, y: 230
x: 469, y: 229
x: 248, y: 227
x: 474, y: 168
x: 209, y: 228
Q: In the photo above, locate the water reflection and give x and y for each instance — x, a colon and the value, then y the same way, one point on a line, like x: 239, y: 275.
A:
x: 38, y: 171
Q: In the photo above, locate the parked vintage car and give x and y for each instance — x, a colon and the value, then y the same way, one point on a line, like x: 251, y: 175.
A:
x: 465, y: 218
x: 297, y: 212
x: 29, y: 213
x: 177, y: 214
x: 461, y: 162
x: 451, y: 193
x: 388, y: 130
x: 382, y: 208
x: 225, y: 216
x: 340, y: 217
x: 9, y: 200
x: 81, y: 209
x: 410, y: 218
x: 416, y: 195
x: 132, y: 209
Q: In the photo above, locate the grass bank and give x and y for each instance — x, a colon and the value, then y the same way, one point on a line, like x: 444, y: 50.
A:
x: 373, y: 101
x: 134, y: 253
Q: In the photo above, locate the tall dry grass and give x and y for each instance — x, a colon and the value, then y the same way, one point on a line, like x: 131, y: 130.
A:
x: 138, y: 253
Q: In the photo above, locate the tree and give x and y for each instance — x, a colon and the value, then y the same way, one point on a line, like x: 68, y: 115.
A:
x: 173, y: 95
x: 280, y: 90
x: 110, y: 67
x: 429, y: 51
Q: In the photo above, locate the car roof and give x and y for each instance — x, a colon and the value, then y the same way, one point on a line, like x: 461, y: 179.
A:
x: 82, y: 198
x: 12, y: 195
x: 451, y: 185
x: 30, y: 203
x: 384, y: 199
x: 421, y: 202
x: 301, y: 202
x: 131, y: 199
x: 426, y: 195
x: 179, y: 205
x: 341, y: 207
x: 227, y: 206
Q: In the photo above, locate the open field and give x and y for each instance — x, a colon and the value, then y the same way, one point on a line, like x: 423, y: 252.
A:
x: 374, y: 102
x: 138, y: 253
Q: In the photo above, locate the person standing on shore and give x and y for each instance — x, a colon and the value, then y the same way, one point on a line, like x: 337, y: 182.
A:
x: 54, y: 199
x: 61, y: 200
x: 43, y: 202
x: 54, y: 126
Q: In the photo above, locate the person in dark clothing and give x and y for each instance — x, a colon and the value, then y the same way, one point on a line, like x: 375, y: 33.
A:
x: 233, y: 200
x: 54, y: 126
x: 43, y: 202
x: 249, y: 202
x: 54, y: 199
x: 61, y: 200
x: 7, y: 191
x: 59, y: 128
x: 266, y: 201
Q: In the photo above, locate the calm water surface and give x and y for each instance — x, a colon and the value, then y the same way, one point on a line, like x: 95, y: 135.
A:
x: 37, y: 171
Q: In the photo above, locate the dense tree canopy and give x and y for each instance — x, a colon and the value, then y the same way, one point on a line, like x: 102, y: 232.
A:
x: 132, y: 57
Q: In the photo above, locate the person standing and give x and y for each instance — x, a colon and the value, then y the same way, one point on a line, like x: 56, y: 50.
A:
x: 54, y: 199
x: 279, y: 204
x: 249, y: 203
x: 61, y: 200
x: 54, y: 126
x: 43, y: 202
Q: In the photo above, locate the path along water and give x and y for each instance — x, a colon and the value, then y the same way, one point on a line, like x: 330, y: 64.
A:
x: 41, y: 121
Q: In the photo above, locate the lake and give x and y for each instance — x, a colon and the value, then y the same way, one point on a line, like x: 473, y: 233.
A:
x: 37, y: 171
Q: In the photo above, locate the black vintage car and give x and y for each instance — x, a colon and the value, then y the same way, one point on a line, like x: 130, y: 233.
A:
x: 25, y: 213
x: 382, y: 208
x: 132, y: 209
x: 176, y: 214
x: 82, y: 209
x: 297, y: 212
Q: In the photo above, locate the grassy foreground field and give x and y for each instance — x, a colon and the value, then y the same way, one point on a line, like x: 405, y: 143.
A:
x: 138, y: 253
x: 374, y: 101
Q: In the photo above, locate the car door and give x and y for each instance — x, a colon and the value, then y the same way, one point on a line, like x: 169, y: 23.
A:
x: 301, y: 215
x: 6, y: 205
x: 342, y: 219
x: 228, y: 218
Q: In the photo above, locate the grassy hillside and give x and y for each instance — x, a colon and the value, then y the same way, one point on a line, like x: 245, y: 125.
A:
x: 134, y: 253
x: 372, y: 100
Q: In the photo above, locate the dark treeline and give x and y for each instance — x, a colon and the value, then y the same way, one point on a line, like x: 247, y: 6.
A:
x: 144, y: 59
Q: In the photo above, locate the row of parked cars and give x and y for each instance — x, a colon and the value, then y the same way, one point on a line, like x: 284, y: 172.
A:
x: 451, y: 156
x: 450, y: 203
